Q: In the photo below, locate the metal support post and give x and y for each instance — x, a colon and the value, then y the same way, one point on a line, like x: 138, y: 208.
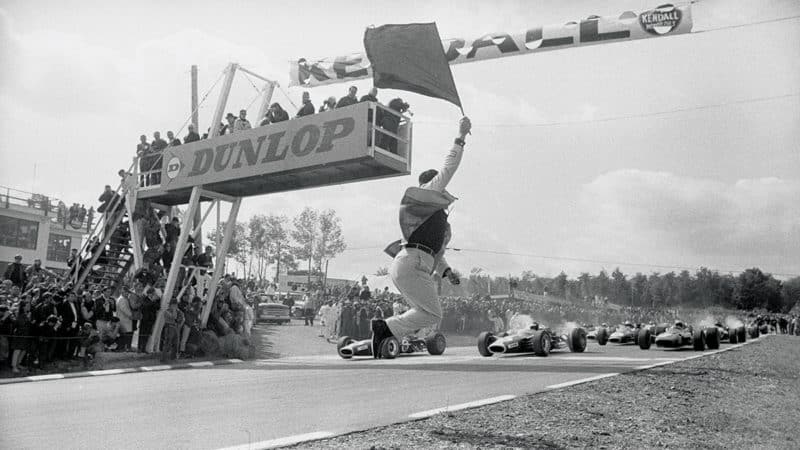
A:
x: 219, y: 265
x: 223, y: 99
x: 174, y: 269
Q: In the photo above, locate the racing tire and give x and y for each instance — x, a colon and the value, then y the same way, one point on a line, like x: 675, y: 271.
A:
x: 698, y: 340
x: 712, y: 338
x: 344, y: 341
x: 541, y: 343
x: 485, y: 339
x: 390, y: 348
x: 577, y: 340
x: 753, y: 332
x: 742, y: 334
x: 733, y: 337
x: 645, y: 339
x: 436, y: 344
x: 602, y: 336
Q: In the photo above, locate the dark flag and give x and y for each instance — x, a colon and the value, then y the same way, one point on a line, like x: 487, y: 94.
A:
x: 410, y: 57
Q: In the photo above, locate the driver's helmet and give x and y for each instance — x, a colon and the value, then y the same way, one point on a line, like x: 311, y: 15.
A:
x: 535, y: 326
x: 679, y: 324
x: 628, y: 324
x: 718, y: 324
x: 604, y: 325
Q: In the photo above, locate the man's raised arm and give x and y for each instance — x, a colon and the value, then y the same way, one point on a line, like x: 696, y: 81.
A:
x: 452, y: 160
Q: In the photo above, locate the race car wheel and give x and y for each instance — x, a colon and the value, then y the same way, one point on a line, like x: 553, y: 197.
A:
x: 485, y: 339
x: 577, y: 340
x: 390, y: 348
x: 344, y: 341
x: 712, y: 338
x: 602, y: 336
x: 698, y: 340
x: 644, y: 339
x: 753, y: 332
x: 742, y: 333
x: 542, y: 343
x: 436, y: 344
x: 733, y: 337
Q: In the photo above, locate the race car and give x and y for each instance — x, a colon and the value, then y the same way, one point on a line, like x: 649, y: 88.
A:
x: 435, y: 344
x: 626, y: 333
x: 738, y: 334
x: 679, y: 335
x: 534, y: 339
x: 591, y: 330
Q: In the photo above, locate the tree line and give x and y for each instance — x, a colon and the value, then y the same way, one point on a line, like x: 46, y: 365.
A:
x: 313, y: 236
x: 751, y: 289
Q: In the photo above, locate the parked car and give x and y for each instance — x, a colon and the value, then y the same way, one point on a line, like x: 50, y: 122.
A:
x: 268, y: 312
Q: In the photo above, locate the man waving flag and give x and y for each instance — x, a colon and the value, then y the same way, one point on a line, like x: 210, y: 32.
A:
x: 410, y: 57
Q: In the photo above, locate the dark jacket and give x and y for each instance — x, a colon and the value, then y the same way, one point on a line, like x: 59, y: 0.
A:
x: 16, y: 273
x: 306, y: 110
x: 191, y: 137
x: 346, y: 101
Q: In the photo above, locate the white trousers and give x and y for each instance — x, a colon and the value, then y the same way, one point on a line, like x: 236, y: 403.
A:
x: 411, y: 272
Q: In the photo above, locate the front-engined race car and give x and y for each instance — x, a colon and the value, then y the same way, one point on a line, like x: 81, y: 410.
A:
x: 533, y: 339
x: 678, y: 336
x: 435, y: 344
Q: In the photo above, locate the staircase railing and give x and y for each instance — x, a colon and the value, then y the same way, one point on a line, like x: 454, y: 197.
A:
x: 78, y: 276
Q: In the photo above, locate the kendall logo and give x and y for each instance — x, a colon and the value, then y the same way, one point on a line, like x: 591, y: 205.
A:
x: 173, y: 167
x: 661, y: 20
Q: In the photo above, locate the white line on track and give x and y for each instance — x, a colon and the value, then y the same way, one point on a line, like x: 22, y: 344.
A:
x: 613, y: 358
x: 582, y: 380
x: 486, y: 401
x: 155, y: 368
x: 55, y: 376
x: 98, y: 373
x: 201, y: 364
x: 284, y: 441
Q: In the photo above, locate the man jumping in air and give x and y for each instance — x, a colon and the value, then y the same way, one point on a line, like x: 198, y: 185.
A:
x: 423, y: 222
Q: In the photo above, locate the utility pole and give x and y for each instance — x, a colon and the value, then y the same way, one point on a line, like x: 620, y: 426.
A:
x: 196, y: 122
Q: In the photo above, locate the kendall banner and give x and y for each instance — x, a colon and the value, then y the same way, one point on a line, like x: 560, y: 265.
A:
x: 320, y: 140
x: 665, y: 20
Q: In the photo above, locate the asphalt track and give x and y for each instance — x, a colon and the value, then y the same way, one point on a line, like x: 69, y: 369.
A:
x: 265, y: 403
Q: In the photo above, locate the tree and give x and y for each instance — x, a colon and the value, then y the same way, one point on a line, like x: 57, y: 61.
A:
x: 620, y: 288
x: 639, y: 290
x: 381, y: 272
x: 268, y: 237
x: 755, y: 289
x: 558, y: 286
x: 330, y: 242
x: 791, y: 293
x: 305, y: 234
x: 601, y: 284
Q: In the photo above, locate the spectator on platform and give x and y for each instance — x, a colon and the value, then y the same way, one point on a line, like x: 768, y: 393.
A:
x: 35, y: 273
x: 192, y: 135
x: 391, y: 122
x: 276, y: 113
x: 156, y: 148
x: 371, y: 96
x: 308, y: 108
x: 172, y: 230
x: 328, y: 105
x: 241, y: 122
x: 172, y: 140
x: 15, y: 272
x: 349, y: 99
x: 230, y: 127
x: 106, y: 199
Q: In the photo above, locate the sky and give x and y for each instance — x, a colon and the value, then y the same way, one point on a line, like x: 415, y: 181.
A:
x: 715, y: 185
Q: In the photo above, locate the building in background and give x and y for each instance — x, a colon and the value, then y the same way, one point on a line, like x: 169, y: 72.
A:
x: 39, y: 227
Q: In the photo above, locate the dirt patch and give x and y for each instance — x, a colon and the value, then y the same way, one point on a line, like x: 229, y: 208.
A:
x: 743, y: 398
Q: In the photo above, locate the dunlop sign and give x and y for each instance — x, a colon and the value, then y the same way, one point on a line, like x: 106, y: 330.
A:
x: 320, y: 139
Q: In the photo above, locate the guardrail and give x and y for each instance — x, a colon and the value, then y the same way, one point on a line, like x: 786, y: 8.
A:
x: 55, y: 209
